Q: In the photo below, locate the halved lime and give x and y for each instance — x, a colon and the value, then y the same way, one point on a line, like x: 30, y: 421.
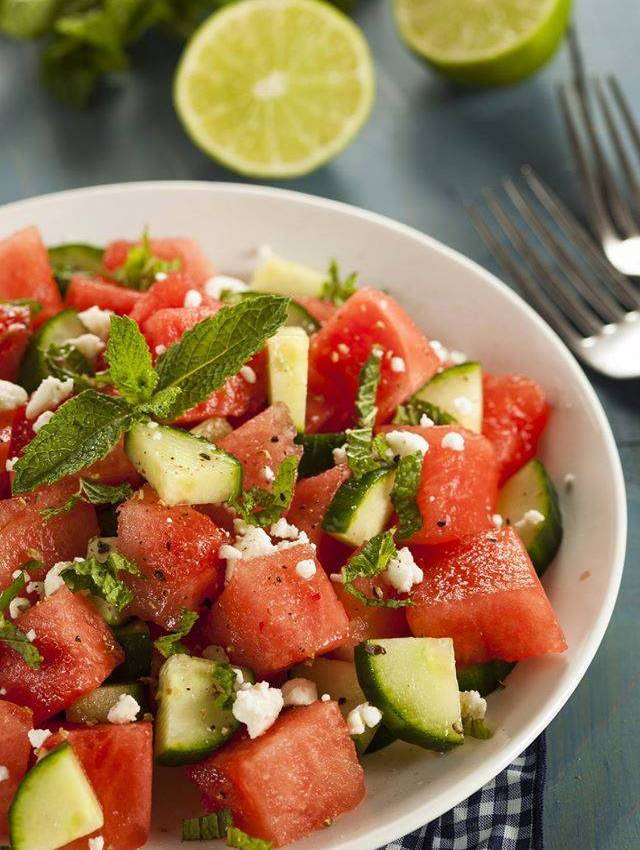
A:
x: 275, y: 88
x: 483, y: 42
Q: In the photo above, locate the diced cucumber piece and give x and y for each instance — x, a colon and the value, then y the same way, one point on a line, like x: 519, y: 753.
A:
x: 135, y: 640
x: 288, y: 366
x: 212, y: 429
x: 317, y: 452
x: 190, y: 722
x: 94, y: 707
x: 181, y: 467
x: 340, y: 681
x: 381, y: 739
x: 299, y: 317
x: 457, y: 391
x: 57, y: 330
x: 361, y: 508
x: 413, y: 683
x: 484, y: 678
x: 531, y: 489
x: 74, y: 257
x: 54, y: 804
x: 284, y: 277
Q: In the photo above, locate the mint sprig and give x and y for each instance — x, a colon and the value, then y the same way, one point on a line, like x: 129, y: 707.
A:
x: 337, y: 290
x: 207, y: 827
x: 130, y: 368
x: 372, y: 560
x: 241, y: 841
x: 10, y: 634
x: 140, y: 267
x: 362, y: 453
x: 100, y: 578
x: 412, y: 411
x: 404, y: 492
x: 92, y: 492
x: 171, y: 644
x: 264, y: 507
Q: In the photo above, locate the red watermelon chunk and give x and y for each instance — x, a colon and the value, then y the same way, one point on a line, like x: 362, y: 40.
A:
x: 25, y: 272
x: 15, y: 330
x: 118, y: 761
x: 15, y: 749
x: 6, y: 429
x: 515, y: 414
x: 321, y: 309
x: 177, y: 551
x: 78, y: 649
x: 264, y: 441
x: 297, y: 777
x: 168, y: 325
x: 271, y: 617
x: 337, y: 352
x: 169, y: 292
x: 484, y: 593
x: 114, y: 468
x: 85, y: 291
x: 193, y: 261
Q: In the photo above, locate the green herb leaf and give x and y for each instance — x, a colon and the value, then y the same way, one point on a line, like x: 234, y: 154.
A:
x: 93, y: 493
x: 414, y: 409
x: 336, y: 290
x: 82, y: 431
x: 207, y: 827
x: 100, y: 578
x: 11, y: 636
x: 10, y: 593
x: 225, y: 685
x: 162, y: 403
x: 171, y: 644
x: 368, y: 563
x: 140, y: 268
x: 218, y: 347
x: 368, y: 381
x: 264, y: 507
x: 239, y: 839
x: 403, y: 495
x: 65, y: 361
x: 362, y: 453
x: 130, y: 366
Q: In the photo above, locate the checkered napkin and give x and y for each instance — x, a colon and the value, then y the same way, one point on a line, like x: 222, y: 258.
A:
x: 506, y: 814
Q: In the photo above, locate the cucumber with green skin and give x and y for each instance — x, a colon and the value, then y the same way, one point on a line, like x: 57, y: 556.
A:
x: 382, y: 738
x: 135, y: 640
x: 74, y: 257
x: 458, y: 391
x: 484, y: 678
x: 287, y: 370
x: 55, y: 331
x: 297, y: 315
x: 94, y: 707
x: 317, y: 452
x: 361, y: 507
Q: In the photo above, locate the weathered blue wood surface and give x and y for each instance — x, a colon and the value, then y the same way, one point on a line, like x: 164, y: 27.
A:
x: 424, y: 151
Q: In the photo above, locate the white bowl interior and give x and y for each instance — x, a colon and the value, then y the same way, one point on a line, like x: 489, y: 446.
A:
x: 464, y: 306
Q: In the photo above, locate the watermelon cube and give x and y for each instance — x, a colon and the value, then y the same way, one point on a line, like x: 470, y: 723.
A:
x: 15, y: 749
x: 78, y: 650
x: 85, y: 291
x: 297, y: 777
x: 15, y: 330
x: 270, y: 617
x: 484, y: 593
x: 25, y: 272
x: 169, y: 292
x: 193, y: 261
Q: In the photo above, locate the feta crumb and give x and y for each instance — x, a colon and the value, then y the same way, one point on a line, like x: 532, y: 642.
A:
x: 457, y: 357
x: 497, y: 520
x: 193, y: 298
x: 463, y: 405
x: 35, y: 587
x: 229, y: 552
x: 161, y: 276
x: 96, y: 321
x: 17, y: 606
x: 472, y: 705
x: 340, y: 455
x: 11, y: 395
x: 402, y: 571
x: 89, y: 345
x: 440, y: 351
x: 334, y: 357
x: 325, y: 698
x: 3, y: 692
x: 453, y: 440
x: 425, y: 422
x: 361, y: 717
x: 268, y: 474
x: 10, y: 463
x: 248, y: 374
x: 531, y: 517
x: 96, y: 843
x: 284, y: 530
x: 343, y: 348
x: 4, y: 773
x: 160, y: 349
x: 377, y: 351
x: 124, y: 711
x: 215, y: 286
x: 53, y: 580
x: 306, y: 569
x: 42, y: 420
x: 19, y: 574
x: 50, y: 393
x: 239, y: 682
x: 337, y: 578
x: 258, y: 707
x: 397, y: 364
x: 404, y: 443
x: 254, y: 543
x: 299, y: 692
x: 153, y: 425
x: 37, y: 737
x: 31, y: 635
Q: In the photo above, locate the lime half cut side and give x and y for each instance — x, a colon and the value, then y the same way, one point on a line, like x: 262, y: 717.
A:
x: 483, y: 42
x: 275, y: 88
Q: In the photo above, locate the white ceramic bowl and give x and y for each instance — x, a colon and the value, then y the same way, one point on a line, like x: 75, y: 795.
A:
x: 458, y: 302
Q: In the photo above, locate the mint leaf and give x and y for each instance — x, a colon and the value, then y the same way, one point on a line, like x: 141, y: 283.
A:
x: 336, y: 290
x: 412, y: 411
x: 224, y: 680
x: 162, y: 403
x: 216, y: 348
x: 11, y: 636
x: 10, y: 593
x: 100, y: 578
x: 130, y: 366
x: 264, y: 507
x: 65, y: 361
x: 171, y: 644
x: 239, y: 839
x: 403, y: 495
x: 368, y: 563
x: 93, y: 493
x: 82, y: 431
x: 207, y: 827
x: 362, y: 454
x: 140, y: 267
x: 368, y: 381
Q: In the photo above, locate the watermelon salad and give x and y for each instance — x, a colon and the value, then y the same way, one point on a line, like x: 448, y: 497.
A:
x: 250, y: 533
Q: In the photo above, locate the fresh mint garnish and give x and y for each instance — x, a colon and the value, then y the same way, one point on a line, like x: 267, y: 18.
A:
x: 93, y: 493
x: 403, y: 495
x: 364, y: 452
x: 241, y: 841
x: 372, y: 560
x: 207, y: 827
x: 100, y: 578
x: 140, y: 267
x: 171, y: 644
x: 336, y: 290
x: 10, y: 634
x: 224, y: 680
x: 264, y: 507
x: 130, y: 366
x: 412, y: 411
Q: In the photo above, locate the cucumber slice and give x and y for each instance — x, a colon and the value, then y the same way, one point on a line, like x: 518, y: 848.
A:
x: 284, y: 277
x: 54, y: 804
x: 381, y: 739
x: 57, y: 330
x: 532, y: 489
x: 361, y: 508
x: 212, y: 429
x: 457, y: 391
x: 95, y: 706
x: 299, y: 317
x: 181, y: 467
x: 288, y: 352
x: 135, y: 640
x: 340, y: 681
x: 75, y: 257
x: 484, y: 678
x: 317, y: 452
x: 189, y: 724
x: 413, y: 683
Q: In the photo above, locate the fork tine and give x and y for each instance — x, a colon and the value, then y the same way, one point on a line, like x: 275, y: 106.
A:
x: 618, y: 143
x: 623, y: 106
x: 580, y: 276
x: 616, y: 283
x: 529, y: 286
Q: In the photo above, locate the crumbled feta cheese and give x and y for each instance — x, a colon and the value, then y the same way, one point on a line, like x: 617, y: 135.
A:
x: 4, y: 773
x: 453, y: 440
x: 299, y: 692
x: 11, y: 396
x: 192, y: 298
x: 497, y: 520
x: 472, y: 705
x: 248, y: 374
x: 361, y: 717
x: 405, y: 443
x: 19, y: 574
x: 31, y: 635
x: 531, y: 517
x: 96, y: 843
x: 152, y: 425
x: 3, y: 692
x: 425, y: 422
x: 441, y: 352
x: 229, y: 552
x: 337, y: 578
x: 340, y: 455
x: 10, y: 463
x: 334, y: 357
x: 215, y: 286
x: 161, y: 275
x: 463, y: 405
x: 306, y: 569
x: 37, y: 737
x: 254, y: 543
x: 124, y: 711
x: 42, y: 420
x: 17, y: 606
x: 457, y: 357
x: 377, y: 351
x: 325, y: 697
x: 397, y: 364
x: 239, y: 682
x: 402, y: 571
x: 343, y: 348
x: 35, y: 587
x: 97, y: 321
x: 89, y: 345
x: 53, y: 580
x: 16, y: 326
x: 284, y: 530
x: 268, y: 474
x: 258, y: 707
x: 50, y: 393
x: 160, y: 349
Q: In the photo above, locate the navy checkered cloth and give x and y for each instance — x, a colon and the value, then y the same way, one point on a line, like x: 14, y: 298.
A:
x: 506, y: 814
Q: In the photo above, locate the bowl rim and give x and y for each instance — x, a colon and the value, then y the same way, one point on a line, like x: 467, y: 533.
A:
x: 383, y: 834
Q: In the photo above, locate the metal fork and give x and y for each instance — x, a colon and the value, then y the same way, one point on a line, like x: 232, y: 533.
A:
x: 563, y: 273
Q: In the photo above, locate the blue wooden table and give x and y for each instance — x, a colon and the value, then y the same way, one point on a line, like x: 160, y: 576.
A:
x: 425, y: 150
